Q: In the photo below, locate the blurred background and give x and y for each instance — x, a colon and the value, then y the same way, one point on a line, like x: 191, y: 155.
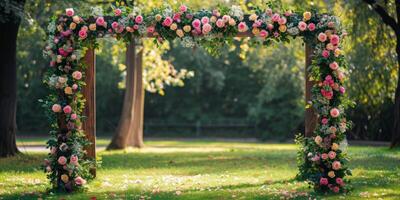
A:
x: 246, y: 92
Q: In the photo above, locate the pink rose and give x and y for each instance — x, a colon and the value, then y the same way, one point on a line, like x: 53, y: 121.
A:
x: 150, y: 29
x: 220, y: 23
x: 74, y: 86
x: 324, y: 121
x: 183, y: 8
x: 270, y: 26
x: 48, y: 169
x: 77, y: 75
x: 336, y: 189
x: 311, y: 26
x: 177, y: 17
x: 322, y: 37
x: 206, y: 28
x: 139, y: 19
x: 263, y: 33
x: 335, y: 39
x: 117, y: 12
x: 74, y: 160
x: 196, y: 23
x: 339, y: 181
x: 167, y: 21
x: 325, y: 53
x: 205, y: 20
x: 62, y: 160
x: 80, y: 181
x: 275, y: 17
x: 323, y: 181
x: 331, y: 24
x: 324, y: 156
x: 342, y: 90
x: 268, y: 11
x: 332, y: 155
x: 100, y: 21
x: 53, y: 150
x: 334, y: 66
x: 335, y: 112
x: 336, y: 165
x: 302, y: 26
x: 276, y: 34
x: 67, y: 109
x: 242, y: 26
x: 226, y: 18
x: 82, y: 34
x: 74, y: 116
x: 282, y: 21
x: 114, y: 25
x: 56, y: 108
x: 315, y: 158
x: 69, y: 12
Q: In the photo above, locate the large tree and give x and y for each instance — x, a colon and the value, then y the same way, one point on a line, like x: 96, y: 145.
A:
x: 10, y: 18
x: 394, y: 23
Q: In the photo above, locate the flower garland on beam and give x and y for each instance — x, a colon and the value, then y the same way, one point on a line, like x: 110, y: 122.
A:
x: 322, y: 161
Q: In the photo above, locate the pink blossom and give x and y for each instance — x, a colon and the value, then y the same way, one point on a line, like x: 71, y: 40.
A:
x: 114, y: 25
x: 268, y: 11
x: 56, y: 108
x: 275, y: 17
x: 48, y: 169
x: 177, y: 17
x: 242, y: 26
x: 315, y: 158
x: 342, y: 90
x: 270, y: 26
x: 74, y: 160
x: 325, y: 53
x: 257, y: 23
x: 335, y: 39
x: 276, y: 34
x: 52, y: 63
x: 302, y: 26
x: 82, y: 34
x: 332, y: 155
x: 80, y: 181
x: 136, y: 27
x: 183, y: 8
x: 340, y: 181
x: 206, y: 28
x: 324, y: 120
x: 196, y: 23
x: 67, y: 109
x: 150, y: 29
x: 226, y: 18
x: 322, y: 37
x: 117, y: 12
x: 311, y: 26
x: 53, y: 150
x: 335, y: 112
x: 205, y: 20
x: 331, y: 24
x: 69, y: 12
x: 220, y: 23
x: 263, y: 33
x: 74, y: 86
x: 336, y: 189
x: 100, y: 21
x: 77, y: 75
x: 62, y: 160
x: 324, y: 156
x: 167, y: 21
x: 282, y: 21
x: 336, y: 165
x: 139, y: 19
x: 334, y: 66
x: 323, y: 181
x: 74, y: 116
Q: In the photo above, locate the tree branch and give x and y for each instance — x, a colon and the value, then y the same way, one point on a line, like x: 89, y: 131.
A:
x: 386, y: 18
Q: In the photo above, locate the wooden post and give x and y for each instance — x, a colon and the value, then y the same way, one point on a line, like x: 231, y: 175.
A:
x: 89, y: 91
x: 310, y: 115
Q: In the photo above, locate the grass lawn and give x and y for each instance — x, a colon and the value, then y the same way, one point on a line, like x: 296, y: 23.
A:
x: 205, y: 170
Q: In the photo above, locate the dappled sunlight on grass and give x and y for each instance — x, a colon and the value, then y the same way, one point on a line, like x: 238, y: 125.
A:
x: 205, y: 170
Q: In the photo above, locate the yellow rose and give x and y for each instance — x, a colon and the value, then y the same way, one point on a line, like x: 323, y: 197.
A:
x: 328, y: 33
x: 338, y: 52
x: 68, y: 90
x: 180, y: 33
x: 331, y: 174
x: 253, y: 17
x: 173, y: 26
x: 76, y: 19
x: 255, y: 31
x: 232, y: 22
x: 307, y: 16
x: 330, y: 46
x: 72, y: 26
x: 187, y: 28
x: 158, y: 17
x: 64, y: 178
x: 282, y: 28
x: 318, y: 139
x: 335, y: 146
x: 213, y: 19
x: 92, y: 27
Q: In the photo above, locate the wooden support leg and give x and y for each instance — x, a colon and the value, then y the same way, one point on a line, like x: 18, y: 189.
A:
x: 89, y: 91
x: 310, y: 115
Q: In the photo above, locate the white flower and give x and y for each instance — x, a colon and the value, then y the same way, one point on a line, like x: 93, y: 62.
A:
x: 343, y: 145
x: 97, y: 11
x: 51, y: 27
x: 188, y: 42
x: 293, y: 31
x: 236, y: 11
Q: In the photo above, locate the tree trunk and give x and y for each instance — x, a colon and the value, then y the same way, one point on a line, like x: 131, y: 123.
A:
x: 396, y: 117
x: 130, y: 127
x: 8, y: 82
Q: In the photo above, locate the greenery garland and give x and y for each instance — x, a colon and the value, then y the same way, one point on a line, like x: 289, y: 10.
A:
x: 322, y: 159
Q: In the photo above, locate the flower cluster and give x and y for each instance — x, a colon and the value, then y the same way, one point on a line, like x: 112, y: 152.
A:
x: 70, y: 35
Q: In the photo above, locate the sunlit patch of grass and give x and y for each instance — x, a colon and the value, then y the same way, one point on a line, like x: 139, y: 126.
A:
x: 205, y: 170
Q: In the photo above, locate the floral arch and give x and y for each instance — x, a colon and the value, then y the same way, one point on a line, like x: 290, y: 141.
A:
x: 72, y: 38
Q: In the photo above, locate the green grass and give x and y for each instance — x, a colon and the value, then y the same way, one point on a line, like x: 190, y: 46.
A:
x: 205, y: 170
